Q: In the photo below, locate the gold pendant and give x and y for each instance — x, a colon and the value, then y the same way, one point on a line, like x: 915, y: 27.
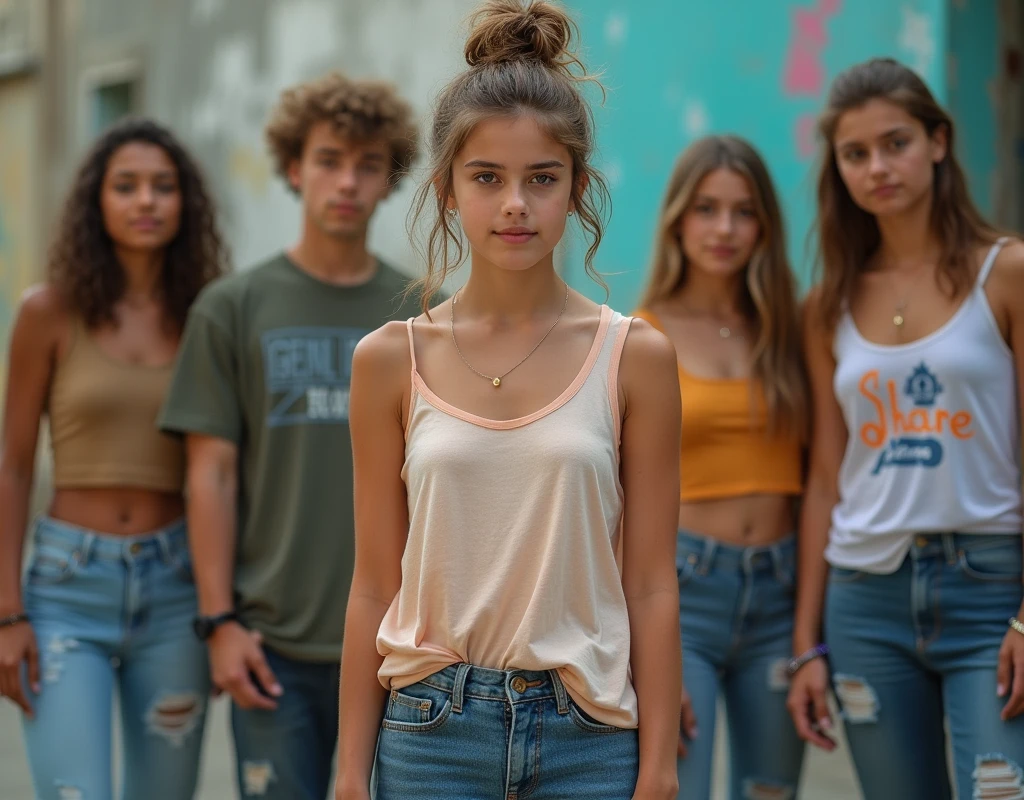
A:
x: 897, y: 320
x: 496, y: 382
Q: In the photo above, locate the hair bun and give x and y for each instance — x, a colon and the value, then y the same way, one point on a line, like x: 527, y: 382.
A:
x: 507, y: 30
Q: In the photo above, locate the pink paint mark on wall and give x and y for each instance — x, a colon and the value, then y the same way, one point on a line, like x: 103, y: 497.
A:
x: 804, y: 71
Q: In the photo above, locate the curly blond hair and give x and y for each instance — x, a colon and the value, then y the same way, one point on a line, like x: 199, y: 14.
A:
x: 358, y: 109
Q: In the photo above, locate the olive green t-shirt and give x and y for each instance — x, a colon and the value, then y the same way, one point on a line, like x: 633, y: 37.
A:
x: 265, y: 362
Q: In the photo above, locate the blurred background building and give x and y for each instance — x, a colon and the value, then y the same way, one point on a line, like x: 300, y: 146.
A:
x: 675, y: 69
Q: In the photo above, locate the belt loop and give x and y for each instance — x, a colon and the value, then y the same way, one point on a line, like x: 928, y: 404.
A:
x: 460, y: 684
x: 949, y: 546
x: 561, y: 696
x: 775, y: 551
x: 163, y: 542
x: 88, y: 540
x: 708, y: 556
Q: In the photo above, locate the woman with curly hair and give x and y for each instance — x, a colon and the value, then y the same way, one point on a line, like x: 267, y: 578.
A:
x: 108, y: 594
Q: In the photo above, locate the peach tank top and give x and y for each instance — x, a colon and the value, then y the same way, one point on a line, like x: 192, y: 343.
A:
x: 514, y: 553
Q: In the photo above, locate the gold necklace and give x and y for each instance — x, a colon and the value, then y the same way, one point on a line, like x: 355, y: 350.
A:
x: 898, y: 317
x: 496, y: 380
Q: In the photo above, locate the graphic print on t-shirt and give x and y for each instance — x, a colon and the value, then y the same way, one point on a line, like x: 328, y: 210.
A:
x: 914, y: 437
x: 307, y: 373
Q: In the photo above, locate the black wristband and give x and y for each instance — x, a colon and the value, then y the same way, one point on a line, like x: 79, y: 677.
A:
x: 13, y: 619
x: 205, y: 626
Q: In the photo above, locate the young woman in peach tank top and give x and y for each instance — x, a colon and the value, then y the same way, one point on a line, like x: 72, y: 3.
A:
x: 721, y: 289
x: 512, y: 626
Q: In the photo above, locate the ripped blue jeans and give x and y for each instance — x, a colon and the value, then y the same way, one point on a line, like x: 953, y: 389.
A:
x: 114, y: 612
x: 919, y: 648
x: 736, y: 618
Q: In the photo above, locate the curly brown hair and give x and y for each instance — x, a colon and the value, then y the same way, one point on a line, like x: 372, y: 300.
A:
x: 82, y: 265
x: 358, y: 109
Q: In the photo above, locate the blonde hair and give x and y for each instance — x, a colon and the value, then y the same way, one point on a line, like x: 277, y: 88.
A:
x: 768, y: 300
x: 521, y: 61
x: 847, y: 235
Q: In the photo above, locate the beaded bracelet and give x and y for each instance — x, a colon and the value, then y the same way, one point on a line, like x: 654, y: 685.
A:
x: 1017, y: 625
x: 13, y: 619
x: 796, y: 663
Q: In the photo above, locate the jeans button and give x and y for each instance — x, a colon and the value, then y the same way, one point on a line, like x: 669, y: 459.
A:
x: 921, y: 541
x: 519, y: 684
x: 135, y: 549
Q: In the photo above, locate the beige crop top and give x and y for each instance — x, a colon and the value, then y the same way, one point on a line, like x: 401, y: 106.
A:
x: 103, y: 422
x: 513, y: 557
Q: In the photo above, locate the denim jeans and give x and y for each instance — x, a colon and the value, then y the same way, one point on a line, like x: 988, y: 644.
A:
x: 288, y: 753
x: 468, y: 732
x: 919, y: 647
x: 736, y: 620
x: 114, y: 611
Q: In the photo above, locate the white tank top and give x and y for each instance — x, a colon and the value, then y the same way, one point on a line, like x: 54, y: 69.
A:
x: 934, y: 436
x: 514, y: 553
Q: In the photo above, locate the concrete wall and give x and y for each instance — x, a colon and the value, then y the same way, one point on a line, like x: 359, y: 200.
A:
x: 213, y: 68
x: 20, y: 195
x: 677, y: 70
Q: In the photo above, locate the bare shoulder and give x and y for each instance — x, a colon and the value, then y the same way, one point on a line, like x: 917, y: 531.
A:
x: 1008, y: 268
x: 43, y: 304
x: 1005, y: 284
x: 647, y: 355
x: 43, y: 314
x: 384, y: 350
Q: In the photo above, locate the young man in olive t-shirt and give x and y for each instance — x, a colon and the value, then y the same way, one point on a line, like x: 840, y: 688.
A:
x: 261, y: 393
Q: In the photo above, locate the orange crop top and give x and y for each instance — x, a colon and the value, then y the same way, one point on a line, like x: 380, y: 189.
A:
x: 726, y: 449
x: 103, y: 422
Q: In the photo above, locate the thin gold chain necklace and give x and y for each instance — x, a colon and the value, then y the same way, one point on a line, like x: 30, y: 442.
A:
x: 496, y: 379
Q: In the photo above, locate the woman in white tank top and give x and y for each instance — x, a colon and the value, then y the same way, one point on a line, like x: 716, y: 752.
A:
x: 512, y: 625
x: 911, y: 529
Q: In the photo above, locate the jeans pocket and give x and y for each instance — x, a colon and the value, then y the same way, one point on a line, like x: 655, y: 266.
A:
x: 993, y: 564
x: 51, y: 565
x: 844, y: 575
x: 419, y: 708
x: 584, y: 721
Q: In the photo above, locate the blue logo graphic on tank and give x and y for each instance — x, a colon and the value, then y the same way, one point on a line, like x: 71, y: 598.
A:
x: 922, y: 386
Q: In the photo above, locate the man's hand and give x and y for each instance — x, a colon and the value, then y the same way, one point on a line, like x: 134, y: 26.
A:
x: 236, y: 657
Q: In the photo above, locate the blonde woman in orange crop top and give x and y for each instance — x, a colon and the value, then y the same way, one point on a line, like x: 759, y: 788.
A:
x: 108, y: 599
x: 512, y: 625
x: 722, y: 291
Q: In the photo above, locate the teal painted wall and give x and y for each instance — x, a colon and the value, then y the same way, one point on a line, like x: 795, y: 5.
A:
x: 973, y: 70
x: 676, y: 69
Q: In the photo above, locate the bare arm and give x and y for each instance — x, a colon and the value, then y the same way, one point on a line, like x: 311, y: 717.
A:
x: 33, y: 350
x: 380, y: 378
x: 650, y: 480
x: 808, y: 692
x: 212, y: 523
x: 212, y: 517
x: 1007, y: 283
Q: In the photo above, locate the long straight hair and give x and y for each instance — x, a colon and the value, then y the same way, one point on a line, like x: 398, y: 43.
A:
x: 768, y: 298
x: 847, y: 235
